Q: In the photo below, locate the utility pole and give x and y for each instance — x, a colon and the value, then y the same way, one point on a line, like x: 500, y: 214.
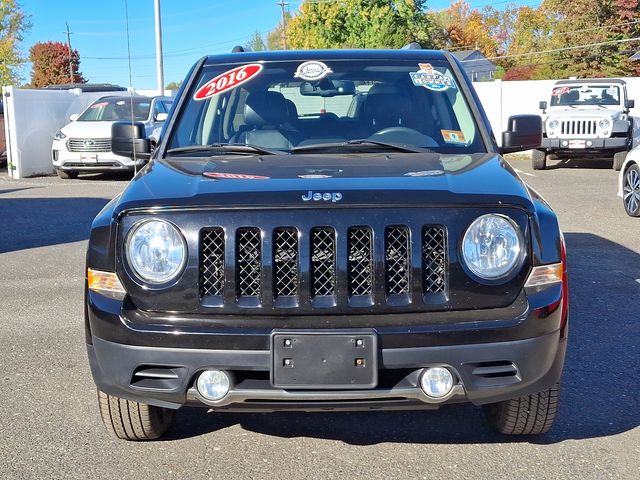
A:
x: 283, y: 4
x: 70, y: 54
x: 159, y: 66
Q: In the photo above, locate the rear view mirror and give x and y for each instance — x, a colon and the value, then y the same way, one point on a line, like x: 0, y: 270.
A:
x: 73, y: 117
x: 524, y: 132
x: 542, y: 105
x: 332, y: 88
x: 629, y: 104
x: 128, y: 138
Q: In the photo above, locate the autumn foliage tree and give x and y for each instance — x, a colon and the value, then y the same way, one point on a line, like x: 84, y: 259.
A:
x: 14, y: 23
x: 359, y: 24
x: 50, y: 64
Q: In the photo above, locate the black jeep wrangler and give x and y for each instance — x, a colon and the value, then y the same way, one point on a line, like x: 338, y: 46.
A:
x: 326, y: 230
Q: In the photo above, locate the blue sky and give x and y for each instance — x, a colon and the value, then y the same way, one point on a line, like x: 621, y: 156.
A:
x: 191, y: 29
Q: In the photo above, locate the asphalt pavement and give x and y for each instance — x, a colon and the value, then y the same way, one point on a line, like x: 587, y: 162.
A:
x: 49, y: 422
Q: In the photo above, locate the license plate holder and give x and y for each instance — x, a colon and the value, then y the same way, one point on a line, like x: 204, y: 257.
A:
x: 324, y: 360
x: 577, y: 144
x: 89, y: 157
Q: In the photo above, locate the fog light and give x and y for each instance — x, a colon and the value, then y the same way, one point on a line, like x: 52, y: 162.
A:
x: 565, y: 143
x: 436, y: 382
x: 589, y: 143
x: 213, y: 384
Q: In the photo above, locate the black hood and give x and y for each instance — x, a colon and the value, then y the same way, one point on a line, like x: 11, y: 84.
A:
x: 348, y: 179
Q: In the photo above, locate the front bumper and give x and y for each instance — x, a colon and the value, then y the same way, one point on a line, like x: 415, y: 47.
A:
x: 614, y: 144
x: 63, y: 159
x: 493, y: 359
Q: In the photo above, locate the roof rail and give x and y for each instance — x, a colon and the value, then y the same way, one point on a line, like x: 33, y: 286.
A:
x: 412, y: 46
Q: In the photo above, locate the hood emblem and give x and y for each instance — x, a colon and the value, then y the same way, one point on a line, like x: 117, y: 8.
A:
x: 322, y: 196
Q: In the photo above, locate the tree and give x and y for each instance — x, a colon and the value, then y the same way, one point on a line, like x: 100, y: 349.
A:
x: 50, y: 62
x: 274, y: 37
x: 173, y: 85
x: 256, y: 43
x: 359, y: 24
x: 14, y: 24
x: 464, y: 28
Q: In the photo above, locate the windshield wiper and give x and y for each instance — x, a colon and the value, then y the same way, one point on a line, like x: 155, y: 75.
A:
x: 232, y: 148
x: 362, y: 142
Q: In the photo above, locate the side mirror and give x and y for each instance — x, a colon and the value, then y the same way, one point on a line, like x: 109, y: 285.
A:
x: 161, y: 116
x: 629, y: 104
x: 542, y: 105
x: 524, y: 132
x: 74, y: 117
x: 127, y: 138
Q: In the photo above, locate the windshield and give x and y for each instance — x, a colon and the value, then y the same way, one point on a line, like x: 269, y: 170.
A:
x: 585, y: 95
x: 113, y: 109
x: 288, y: 105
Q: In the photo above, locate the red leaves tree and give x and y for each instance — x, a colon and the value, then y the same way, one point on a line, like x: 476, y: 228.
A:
x: 50, y: 64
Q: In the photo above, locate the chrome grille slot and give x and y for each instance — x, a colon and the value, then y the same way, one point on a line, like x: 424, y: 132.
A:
x: 248, y: 262
x: 397, y: 250
x: 583, y: 128
x: 360, y: 261
x: 323, y: 262
x: 212, y: 262
x: 285, y: 262
x: 434, y: 259
x: 89, y: 144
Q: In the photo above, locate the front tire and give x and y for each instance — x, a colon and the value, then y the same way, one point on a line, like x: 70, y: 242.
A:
x: 618, y: 160
x: 631, y: 191
x: 67, y: 174
x: 530, y: 415
x: 133, y: 421
x: 539, y: 159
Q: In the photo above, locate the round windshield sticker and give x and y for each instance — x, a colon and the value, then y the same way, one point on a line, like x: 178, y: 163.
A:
x: 430, y: 78
x: 312, y: 71
x: 228, y: 80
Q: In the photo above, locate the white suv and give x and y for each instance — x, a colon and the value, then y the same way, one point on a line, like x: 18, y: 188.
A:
x: 589, y: 118
x: 84, y: 145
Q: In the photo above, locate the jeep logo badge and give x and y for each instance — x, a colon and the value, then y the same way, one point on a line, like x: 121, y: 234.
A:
x: 322, y: 196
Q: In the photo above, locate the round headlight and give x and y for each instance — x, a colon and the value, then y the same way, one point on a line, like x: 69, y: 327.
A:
x: 493, y: 247
x: 553, y: 124
x: 156, y: 251
x: 604, y: 123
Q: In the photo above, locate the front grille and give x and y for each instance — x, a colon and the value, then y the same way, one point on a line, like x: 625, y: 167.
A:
x: 307, y: 266
x: 212, y: 262
x: 360, y: 261
x: 249, y: 262
x: 285, y: 262
x: 397, y: 260
x: 323, y: 262
x: 582, y: 128
x: 89, y: 144
x: 434, y: 259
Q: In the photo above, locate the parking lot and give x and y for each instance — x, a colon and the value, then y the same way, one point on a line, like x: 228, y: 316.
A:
x: 49, y: 418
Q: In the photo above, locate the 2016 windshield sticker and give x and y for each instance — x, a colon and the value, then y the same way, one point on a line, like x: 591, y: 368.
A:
x: 430, y: 78
x: 312, y: 71
x: 233, y: 176
x: 453, y: 136
x: 560, y: 91
x: 228, y: 80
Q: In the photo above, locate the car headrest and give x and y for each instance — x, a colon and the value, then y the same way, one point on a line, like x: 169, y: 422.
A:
x: 387, y: 108
x: 292, y: 111
x: 265, y: 108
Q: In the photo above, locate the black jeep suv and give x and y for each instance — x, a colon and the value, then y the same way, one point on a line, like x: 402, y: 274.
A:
x: 326, y: 230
